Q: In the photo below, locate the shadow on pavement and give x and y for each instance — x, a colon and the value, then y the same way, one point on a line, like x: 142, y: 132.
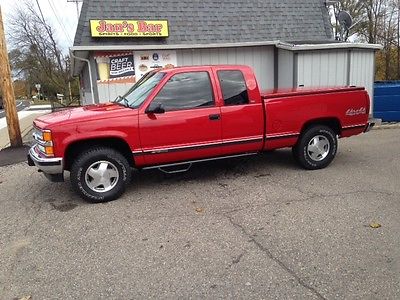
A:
x: 9, y: 156
x: 257, y: 166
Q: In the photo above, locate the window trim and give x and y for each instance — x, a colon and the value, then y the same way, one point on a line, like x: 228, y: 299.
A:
x: 222, y: 92
x: 193, y: 108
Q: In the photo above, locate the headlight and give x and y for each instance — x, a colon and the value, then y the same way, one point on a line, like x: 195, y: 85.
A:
x: 44, y: 141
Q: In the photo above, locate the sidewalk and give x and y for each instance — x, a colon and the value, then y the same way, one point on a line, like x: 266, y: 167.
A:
x: 388, y: 125
x: 25, y: 120
x: 15, y: 155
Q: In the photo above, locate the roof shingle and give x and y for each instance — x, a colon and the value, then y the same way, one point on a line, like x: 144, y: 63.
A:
x: 210, y: 21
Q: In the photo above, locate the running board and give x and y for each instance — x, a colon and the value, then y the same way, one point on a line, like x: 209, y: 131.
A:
x: 184, y: 169
x: 189, y: 164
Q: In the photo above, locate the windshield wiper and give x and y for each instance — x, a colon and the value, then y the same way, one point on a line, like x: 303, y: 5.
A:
x: 119, y: 99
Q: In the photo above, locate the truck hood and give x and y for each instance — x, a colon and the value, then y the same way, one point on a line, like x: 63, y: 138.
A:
x: 84, y: 113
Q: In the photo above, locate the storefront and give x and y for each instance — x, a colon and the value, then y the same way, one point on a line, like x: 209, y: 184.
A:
x: 110, y: 54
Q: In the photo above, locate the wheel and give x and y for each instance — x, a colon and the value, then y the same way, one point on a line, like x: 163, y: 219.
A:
x: 316, y: 148
x: 100, y: 174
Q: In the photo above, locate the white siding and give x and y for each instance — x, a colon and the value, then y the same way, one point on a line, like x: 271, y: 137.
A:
x: 321, y: 69
x: 110, y: 91
x: 285, y: 71
x: 362, y: 70
x: 261, y: 59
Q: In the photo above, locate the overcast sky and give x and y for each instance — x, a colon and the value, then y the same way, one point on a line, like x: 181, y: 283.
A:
x: 65, y: 24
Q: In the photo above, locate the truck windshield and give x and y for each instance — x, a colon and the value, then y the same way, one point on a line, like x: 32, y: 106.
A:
x: 141, y: 89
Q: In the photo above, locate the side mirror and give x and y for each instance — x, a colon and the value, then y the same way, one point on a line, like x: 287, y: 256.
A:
x: 156, y: 108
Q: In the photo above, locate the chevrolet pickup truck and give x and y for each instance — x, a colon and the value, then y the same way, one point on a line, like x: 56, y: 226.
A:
x: 172, y: 118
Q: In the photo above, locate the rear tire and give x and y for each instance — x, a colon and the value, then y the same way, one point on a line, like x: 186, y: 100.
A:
x: 100, y: 174
x: 316, y: 148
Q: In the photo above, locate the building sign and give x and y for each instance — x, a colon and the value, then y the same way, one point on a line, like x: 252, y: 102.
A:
x: 121, y: 66
x: 128, y: 28
x: 146, y: 61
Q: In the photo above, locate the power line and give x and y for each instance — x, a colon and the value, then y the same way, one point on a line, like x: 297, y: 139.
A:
x: 59, y: 21
x: 77, y: 5
x: 61, y: 24
x: 40, y: 10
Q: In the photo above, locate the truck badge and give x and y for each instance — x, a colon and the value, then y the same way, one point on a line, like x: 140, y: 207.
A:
x: 355, y: 112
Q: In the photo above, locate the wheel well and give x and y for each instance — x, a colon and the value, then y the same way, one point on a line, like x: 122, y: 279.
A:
x: 332, y: 123
x: 74, y: 149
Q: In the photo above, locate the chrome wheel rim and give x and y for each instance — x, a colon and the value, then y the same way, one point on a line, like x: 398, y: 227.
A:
x: 318, y: 148
x: 101, y: 176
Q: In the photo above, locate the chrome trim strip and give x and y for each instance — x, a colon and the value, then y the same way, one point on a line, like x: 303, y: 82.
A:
x: 43, y: 143
x: 354, y: 126
x: 201, y: 146
x: 241, y: 140
x: 281, y: 136
x: 199, y: 160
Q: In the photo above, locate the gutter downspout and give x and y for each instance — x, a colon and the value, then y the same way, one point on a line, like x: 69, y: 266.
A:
x: 90, y: 72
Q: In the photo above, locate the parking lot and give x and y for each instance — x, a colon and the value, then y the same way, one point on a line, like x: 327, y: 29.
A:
x: 258, y: 227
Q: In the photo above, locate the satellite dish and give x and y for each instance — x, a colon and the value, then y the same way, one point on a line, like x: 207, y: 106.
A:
x: 345, y: 19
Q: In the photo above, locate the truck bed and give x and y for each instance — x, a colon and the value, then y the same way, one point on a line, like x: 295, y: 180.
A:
x: 280, y: 93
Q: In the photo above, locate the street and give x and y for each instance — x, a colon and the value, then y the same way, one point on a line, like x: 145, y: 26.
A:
x: 257, y: 227
x: 21, y: 105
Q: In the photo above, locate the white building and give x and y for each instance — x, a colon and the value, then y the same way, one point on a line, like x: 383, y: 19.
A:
x: 117, y: 42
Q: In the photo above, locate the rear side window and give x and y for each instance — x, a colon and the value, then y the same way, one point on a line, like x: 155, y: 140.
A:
x: 234, y: 89
x: 186, y: 91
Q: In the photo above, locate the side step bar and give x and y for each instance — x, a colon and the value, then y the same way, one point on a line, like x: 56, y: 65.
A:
x: 186, y: 165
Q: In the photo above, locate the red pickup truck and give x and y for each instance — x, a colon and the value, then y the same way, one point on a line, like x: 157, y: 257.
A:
x: 172, y: 118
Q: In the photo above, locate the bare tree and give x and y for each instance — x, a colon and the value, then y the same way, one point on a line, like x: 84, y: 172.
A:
x: 36, y: 55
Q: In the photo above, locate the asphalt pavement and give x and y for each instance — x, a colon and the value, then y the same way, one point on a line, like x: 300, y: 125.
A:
x: 257, y: 228
x: 21, y: 105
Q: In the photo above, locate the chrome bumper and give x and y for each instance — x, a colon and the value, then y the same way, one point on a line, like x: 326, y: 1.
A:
x: 371, y: 123
x: 50, y: 165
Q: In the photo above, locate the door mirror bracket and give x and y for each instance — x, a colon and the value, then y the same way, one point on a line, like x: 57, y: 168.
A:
x: 155, y: 109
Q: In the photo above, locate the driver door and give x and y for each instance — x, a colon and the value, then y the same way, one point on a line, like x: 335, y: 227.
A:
x: 184, y: 122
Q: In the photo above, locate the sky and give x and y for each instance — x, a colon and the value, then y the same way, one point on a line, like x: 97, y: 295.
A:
x: 60, y: 14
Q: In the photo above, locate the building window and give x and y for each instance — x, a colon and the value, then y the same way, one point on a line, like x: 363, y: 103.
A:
x: 186, y: 91
x: 234, y: 89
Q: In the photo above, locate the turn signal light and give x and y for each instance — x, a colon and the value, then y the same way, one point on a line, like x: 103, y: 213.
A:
x: 47, y: 136
x: 49, y: 150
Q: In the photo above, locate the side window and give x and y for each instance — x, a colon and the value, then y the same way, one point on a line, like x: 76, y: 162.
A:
x: 186, y: 91
x: 234, y: 89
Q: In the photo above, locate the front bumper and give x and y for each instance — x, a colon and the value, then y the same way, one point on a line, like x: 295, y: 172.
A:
x: 371, y: 123
x: 48, y: 165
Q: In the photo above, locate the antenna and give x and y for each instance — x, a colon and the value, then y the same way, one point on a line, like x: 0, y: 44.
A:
x: 345, y: 21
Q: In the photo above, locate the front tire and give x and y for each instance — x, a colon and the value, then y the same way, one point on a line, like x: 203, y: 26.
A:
x: 100, y: 174
x: 316, y: 148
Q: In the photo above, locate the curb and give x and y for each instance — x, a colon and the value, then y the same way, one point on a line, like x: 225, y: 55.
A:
x: 387, y: 125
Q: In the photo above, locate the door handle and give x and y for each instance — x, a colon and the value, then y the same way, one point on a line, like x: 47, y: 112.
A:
x: 215, y: 117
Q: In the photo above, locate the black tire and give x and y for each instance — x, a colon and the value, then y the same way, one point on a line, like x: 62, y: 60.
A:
x: 115, y: 162
x: 295, y: 154
x: 309, y: 159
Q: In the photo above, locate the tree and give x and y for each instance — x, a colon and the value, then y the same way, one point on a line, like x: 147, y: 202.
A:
x: 36, y: 55
x: 376, y: 22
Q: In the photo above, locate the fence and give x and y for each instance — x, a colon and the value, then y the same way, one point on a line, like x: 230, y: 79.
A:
x: 387, y: 101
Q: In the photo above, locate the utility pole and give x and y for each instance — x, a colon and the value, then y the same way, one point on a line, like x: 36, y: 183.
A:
x: 14, y: 131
